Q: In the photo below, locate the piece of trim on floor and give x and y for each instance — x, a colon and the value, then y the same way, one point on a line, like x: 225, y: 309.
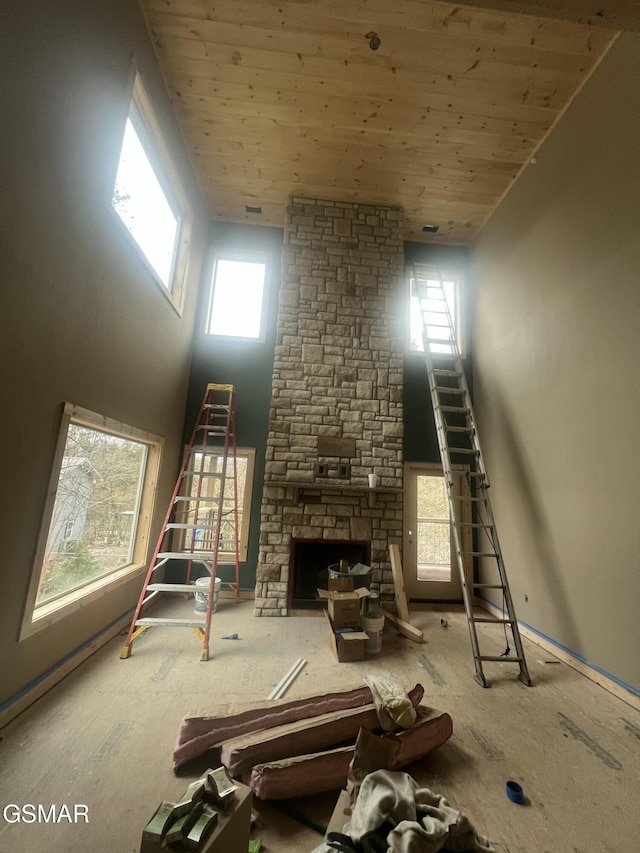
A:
x: 600, y: 676
x: 10, y: 709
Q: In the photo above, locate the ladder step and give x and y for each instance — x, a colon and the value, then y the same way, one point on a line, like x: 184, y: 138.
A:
x: 454, y: 409
x: 501, y: 659
x: 443, y: 389
x: 441, y: 371
x: 489, y: 620
x: 194, y: 473
x: 469, y: 450
x: 171, y: 587
x: 197, y: 500
x: 466, y: 429
x: 170, y: 623
x: 197, y: 556
x: 217, y: 406
x: 487, y: 586
x: 479, y: 553
x: 179, y: 526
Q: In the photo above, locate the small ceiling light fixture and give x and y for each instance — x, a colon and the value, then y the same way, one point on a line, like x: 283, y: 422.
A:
x: 374, y: 41
x: 430, y: 229
x: 249, y: 209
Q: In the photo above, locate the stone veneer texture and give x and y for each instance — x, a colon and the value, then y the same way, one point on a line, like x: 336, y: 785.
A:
x: 337, y: 373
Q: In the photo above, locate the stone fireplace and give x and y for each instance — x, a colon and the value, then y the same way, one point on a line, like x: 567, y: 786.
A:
x: 336, y: 408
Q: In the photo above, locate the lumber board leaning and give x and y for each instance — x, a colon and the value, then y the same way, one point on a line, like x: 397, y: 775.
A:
x: 197, y: 734
x: 402, y: 605
x: 406, y: 628
x: 302, y: 736
x: 305, y: 775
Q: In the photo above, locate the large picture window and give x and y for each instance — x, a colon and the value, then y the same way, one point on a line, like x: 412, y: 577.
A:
x: 148, y: 198
x: 96, y: 524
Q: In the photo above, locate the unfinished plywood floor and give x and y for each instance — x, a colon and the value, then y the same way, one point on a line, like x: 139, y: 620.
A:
x: 104, y: 737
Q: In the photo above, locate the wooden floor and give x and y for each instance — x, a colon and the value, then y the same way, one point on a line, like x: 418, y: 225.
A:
x: 104, y: 737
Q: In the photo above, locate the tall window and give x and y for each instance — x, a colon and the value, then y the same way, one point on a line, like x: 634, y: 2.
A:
x: 237, y: 299
x: 453, y: 296
x: 148, y: 199
x: 96, y: 524
x: 198, y: 512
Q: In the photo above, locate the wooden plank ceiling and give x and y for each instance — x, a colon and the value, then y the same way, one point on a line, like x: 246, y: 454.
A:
x: 287, y: 97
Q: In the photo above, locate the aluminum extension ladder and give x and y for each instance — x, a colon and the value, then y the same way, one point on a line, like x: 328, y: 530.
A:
x: 201, y: 521
x: 458, y: 437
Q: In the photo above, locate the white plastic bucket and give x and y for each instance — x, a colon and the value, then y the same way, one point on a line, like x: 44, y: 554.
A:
x: 373, y: 626
x: 202, y: 594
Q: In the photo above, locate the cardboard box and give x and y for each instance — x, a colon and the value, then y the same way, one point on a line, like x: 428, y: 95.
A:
x: 344, y: 607
x: 348, y: 645
x: 340, y: 583
x: 230, y: 834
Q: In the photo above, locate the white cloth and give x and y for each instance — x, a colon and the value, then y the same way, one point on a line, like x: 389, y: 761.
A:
x: 394, y: 708
x: 424, y: 822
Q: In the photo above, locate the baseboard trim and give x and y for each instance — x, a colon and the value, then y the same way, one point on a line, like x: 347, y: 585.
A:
x: 10, y: 709
x: 614, y: 685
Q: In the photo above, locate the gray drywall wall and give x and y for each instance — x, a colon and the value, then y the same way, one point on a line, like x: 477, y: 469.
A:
x: 557, y: 370
x: 81, y: 318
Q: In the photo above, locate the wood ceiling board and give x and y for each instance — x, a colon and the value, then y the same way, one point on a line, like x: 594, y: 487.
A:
x: 287, y: 98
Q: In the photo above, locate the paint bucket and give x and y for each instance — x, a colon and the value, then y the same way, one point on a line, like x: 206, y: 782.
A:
x: 202, y: 594
x: 373, y: 626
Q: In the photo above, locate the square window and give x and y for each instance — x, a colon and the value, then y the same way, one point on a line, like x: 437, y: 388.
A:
x: 148, y: 199
x: 237, y: 297
x: 97, y: 520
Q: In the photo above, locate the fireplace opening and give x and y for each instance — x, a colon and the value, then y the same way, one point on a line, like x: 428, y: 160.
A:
x: 309, y: 567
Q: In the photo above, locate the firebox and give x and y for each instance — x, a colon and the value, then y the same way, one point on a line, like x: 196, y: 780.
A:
x: 309, y: 566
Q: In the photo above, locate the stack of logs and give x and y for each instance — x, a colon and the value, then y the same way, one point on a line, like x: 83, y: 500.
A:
x: 304, y: 747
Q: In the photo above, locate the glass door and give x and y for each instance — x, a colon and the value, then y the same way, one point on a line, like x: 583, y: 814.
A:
x: 429, y: 558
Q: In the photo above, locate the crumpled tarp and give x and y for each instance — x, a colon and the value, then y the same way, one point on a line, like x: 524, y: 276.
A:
x: 423, y: 822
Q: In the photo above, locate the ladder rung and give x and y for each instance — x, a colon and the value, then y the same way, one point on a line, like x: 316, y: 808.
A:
x: 454, y: 409
x: 219, y: 406
x: 469, y: 450
x: 212, y: 430
x: 490, y: 621
x: 170, y: 623
x: 197, y: 500
x: 479, y: 553
x: 179, y: 526
x: 171, y: 587
x: 487, y: 586
x: 459, y: 428
x: 475, y: 524
x: 441, y: 371
x: 445, y: 390
x: 501, y: 659
x: 192, y: 472
x: 197, y: 556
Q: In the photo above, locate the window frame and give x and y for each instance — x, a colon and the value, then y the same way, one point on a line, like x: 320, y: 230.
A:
x: 238, y: 257
x: 37, y: 617
x: 458, y: 279
x: 147, y: 126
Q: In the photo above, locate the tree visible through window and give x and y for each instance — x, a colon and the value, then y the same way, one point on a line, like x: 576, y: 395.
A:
x: 93, y: 523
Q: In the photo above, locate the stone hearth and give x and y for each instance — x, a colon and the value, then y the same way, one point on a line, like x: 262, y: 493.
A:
x: 337, y: 375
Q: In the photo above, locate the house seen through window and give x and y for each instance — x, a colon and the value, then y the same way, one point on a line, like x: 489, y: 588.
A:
x: 237, y: 297
x: 97, y: 518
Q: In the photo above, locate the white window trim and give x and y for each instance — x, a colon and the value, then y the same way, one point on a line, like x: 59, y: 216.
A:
x: 160, y: 156
x: 461, y: 308
x: 35, y: 618
x: 240, y: 257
